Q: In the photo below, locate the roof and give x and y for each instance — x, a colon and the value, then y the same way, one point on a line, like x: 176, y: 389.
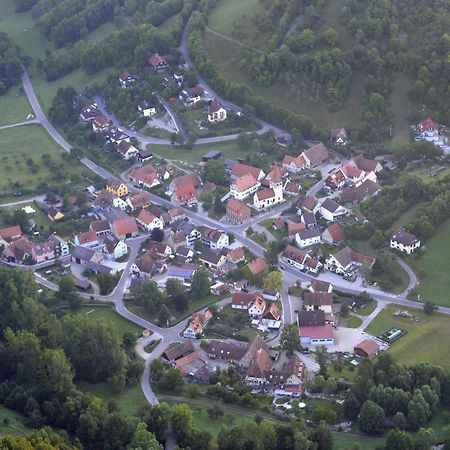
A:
x: 403, y: 237
x: 317, y: 154
x: 236, y: 254
x: 126, y: 225
x: 10, y: 233
x: 187, y: 359
x: 311, y: 318
x: 146, y: 174
x: 338, y: 133
x: 298, y: 161
x: 359, y: 193
x: 309, y: 234
x: 259, y: 303
x: 226, y: 350
x: 292, y: 187
x: 99, y: 226
x: 238, y: 208
x: 308, y: 218
x: 146, y: 217
x: 264, y: 194
x: 212, y: 234
x: 114, y: 183
x: 320, y: 286
x: 257, y: 265
x: 239, y: 170
x: 179, y: 350
x: 368, y: 165
x: 140, y: 199
x: 144, y: 104
x: 308, y: 202
x: 276, y: 174
x: 318, y: 331
x: 188, y: 179
x: 86, y: 237
x: 294, y: 228
x: 245, y: 182
x: 43, y: 248
x: 336, y: 232
x: 181, y: 271
x: 368, y: 346
x: 260, y: 365
x: 146, y: 262
x: 82, y: 253
x: 347, y: 255
x: 272, y: 312
x: 318, y: 298
x: 211, y: 256
x: 300, y: 256
x: 110, y: 243
x: 186, y: 193
x: 255, y: 345
x: 330, y: 205
x: 428, y: 123
x: 19, y: 248
x: 214, y: 107
x: 156, y: 60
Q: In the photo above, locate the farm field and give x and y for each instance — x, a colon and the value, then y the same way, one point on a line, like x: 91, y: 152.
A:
x: 21, y: 151
x: 432, y: 268
x: 229, y: 149
x: 129, y: 400
x: 424, y: 340
x: 106, y: 314
x: 14, y: 106
x: 11, y: 422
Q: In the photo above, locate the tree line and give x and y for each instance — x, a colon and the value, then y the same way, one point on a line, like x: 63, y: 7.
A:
x: 10, y: 64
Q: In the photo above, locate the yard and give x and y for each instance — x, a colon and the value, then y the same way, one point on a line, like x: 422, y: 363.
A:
x: 129, y: 400
x: 424, y: 340
x: 344, y: 441
x: 11, y: 422
x: 432, y: 268
x: 278, y: 234
x: 25, y: 167
x: 14, y: 106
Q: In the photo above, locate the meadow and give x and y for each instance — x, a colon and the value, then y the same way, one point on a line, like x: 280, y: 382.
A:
x: 11, y: 422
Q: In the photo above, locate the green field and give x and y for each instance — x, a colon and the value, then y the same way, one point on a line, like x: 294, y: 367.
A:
x: 11, y: 422
x: 425, y: 339
x: 14, y: 106
x: 229, y: 150
x: 367, y: 310
x: 18, y: 145
x: 354, y: 322
x: 129, y: 401
x: 432, y: 268
x: 110, y: 316
x: 407, y: 216
x: 344, y: 441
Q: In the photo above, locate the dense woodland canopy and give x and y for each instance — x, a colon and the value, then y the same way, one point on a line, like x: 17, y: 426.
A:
x: 10, y: 65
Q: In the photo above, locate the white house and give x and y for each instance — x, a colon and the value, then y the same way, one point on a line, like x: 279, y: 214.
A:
x: 331, y: 210
x: 243, y: 187
x: 257, y: 308
x: 87, y: 239
x: 301, y: 260
x: 405, y: 242
x: 346, y: 262
x: 268, y: 197
x: 120, y: 203
x: 214, y: 238
x: 216, y: 112
x: 149, y: 221
x: 145, y: 109
x: 127, y: 150
x: 305, y: 238
x: 114, y: 248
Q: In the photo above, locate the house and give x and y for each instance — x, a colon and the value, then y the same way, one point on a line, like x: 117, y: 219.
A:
x: 216, y: 112
x: 268, y: 197
x: 100, y: 124
x: 295, y: 227
x: 186, y: 195
x: 158, y: 63
x: 219, y: 288
x: 184, y: 273
x: 116, y: 187
x: 197, y: 324
x: 255, y: 345
x: 257, y: 307
x: 82, y: 283
x: 367, y: 165
x: 243, y: 187
x: 179, y: 351
x: 309, y: 219
x: 127, y: 150
x: 301, y: 260
x: 294, y: 164
x: 308, y: 204
x: 361, y: 218
x: 227, y: 351
x: 305, y: 238
x: 103, y: 200
x: 148, y: 221
x: 83, y: 256
x: 87, y: 239
x: 54, y: 214
x: 403, y: 241
x: 313, y: 301
x: 125, y: 228
x: 89, y: 113
x: 359, y: 193
x: 100, y: 227
x: 257, y: 266
x: 184, y: 254
x: 18, y: 250
x: 120, y: 203
x: 139, y: 200
x: 243, y: 300
x: 146, y: 109
x: 320, y: 286
x: 317, y: 335
x: 256, y: 372
x: 212, y: 154
x: 237, y: 212
x: 190, y: 232
x: 236, y: 255
x: 271, y: 313
x: 367, y: 348
x: 115, y: 136
x: 144, y: 155
x: 339, y: 136
x: 291, y: 188
x: 147, y: 264
x: 61, y: 246
x: 191, y: 96
x: 214, y: 238
x: 173, y: 215
x: 126, y: 79
x: 10, y: 234
x: 161, y: 249
x: 290, y: 376
x: 346, y: 262
x: 191, y: 179
x: 114, y: 248
x: 428, y: 126
x: 239, y: 170
x: 43, y: 252
x: 315, y: 155
x: 279, y: 224
x: 331, y: 210
x: 334, y: 234
x: 271, y: 294
x: 145, y: 176
x: 212, y: 259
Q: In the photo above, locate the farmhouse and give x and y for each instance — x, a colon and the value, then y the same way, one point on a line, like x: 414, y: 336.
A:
x: 405, y: 242
x: 125, y: 228
x: 239, y: 170
x: 315, y: 155
x: 127, y: 150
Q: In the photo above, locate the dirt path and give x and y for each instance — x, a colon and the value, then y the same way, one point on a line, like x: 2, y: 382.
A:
x: 235, y: 41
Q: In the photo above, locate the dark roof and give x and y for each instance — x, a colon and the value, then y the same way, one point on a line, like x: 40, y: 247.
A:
x: 83, y: 253
x: 403, y: 237
x: 226, y: 350
x: 317, y: 298
x: 330, y: 205
x: 179, y: 350
x: 311, y: 318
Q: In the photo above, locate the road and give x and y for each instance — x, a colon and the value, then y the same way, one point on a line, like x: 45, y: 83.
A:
x: 14, y: 125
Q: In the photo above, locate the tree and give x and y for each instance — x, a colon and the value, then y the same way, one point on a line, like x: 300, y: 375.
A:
x: 66, y: 286
x: 371, y: 418
x: 174, y: 287
x: 351, y: 407
x: 106, y: 283
x: 344, y: 310
x: 192, y: 390
x: 399, y: 440
x: 157, y: 235
x: 181, y: 302
x: 290, y: 340
x: 425, y: 439
x: 182, y: 423
x: 143, y: 439
x: 201, y: 284
x: 322, y: 436
x: 207, y: 200
x: 271, y: 254
x: 215, y: 412
x: 446, y: 434
x: 330, y: 36
x: 274, y: 280
x: 215, y: 172
x: 164, y: 315
x: 429, y: 307
x: 323, y: 359
x: 327, y: 415
x: 307, y: 38
x: 219, y: 207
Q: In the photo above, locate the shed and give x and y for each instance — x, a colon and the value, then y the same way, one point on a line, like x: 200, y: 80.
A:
x: 367, y: 348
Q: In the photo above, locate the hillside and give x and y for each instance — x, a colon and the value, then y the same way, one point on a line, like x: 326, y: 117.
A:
x: 362, y: 65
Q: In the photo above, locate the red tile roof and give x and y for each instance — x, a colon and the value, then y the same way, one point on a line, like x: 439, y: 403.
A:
x: 257, y: 265
x: 127, y: 225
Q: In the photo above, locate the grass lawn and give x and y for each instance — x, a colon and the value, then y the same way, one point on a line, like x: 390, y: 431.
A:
x: 278, y: 234
x: 14, y: 422
x: 30, y: 142
x: 424, y: 340
x: 344, y: 441
x: 432, y: 268
x: 407, y: 216
x: 367, y: 310
x: 354, y: 322
x: 346, y: 372
x: 14, y: 106
x: 107, y: 314
x: 229, y: 150
x: 129, y: 401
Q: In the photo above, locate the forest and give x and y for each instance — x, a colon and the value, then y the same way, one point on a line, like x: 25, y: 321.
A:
x: 10, y: 64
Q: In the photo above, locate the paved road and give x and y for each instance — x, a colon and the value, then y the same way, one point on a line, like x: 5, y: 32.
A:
x: 28, y: 122
x: 37, y: 198
x: 413, y: 282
